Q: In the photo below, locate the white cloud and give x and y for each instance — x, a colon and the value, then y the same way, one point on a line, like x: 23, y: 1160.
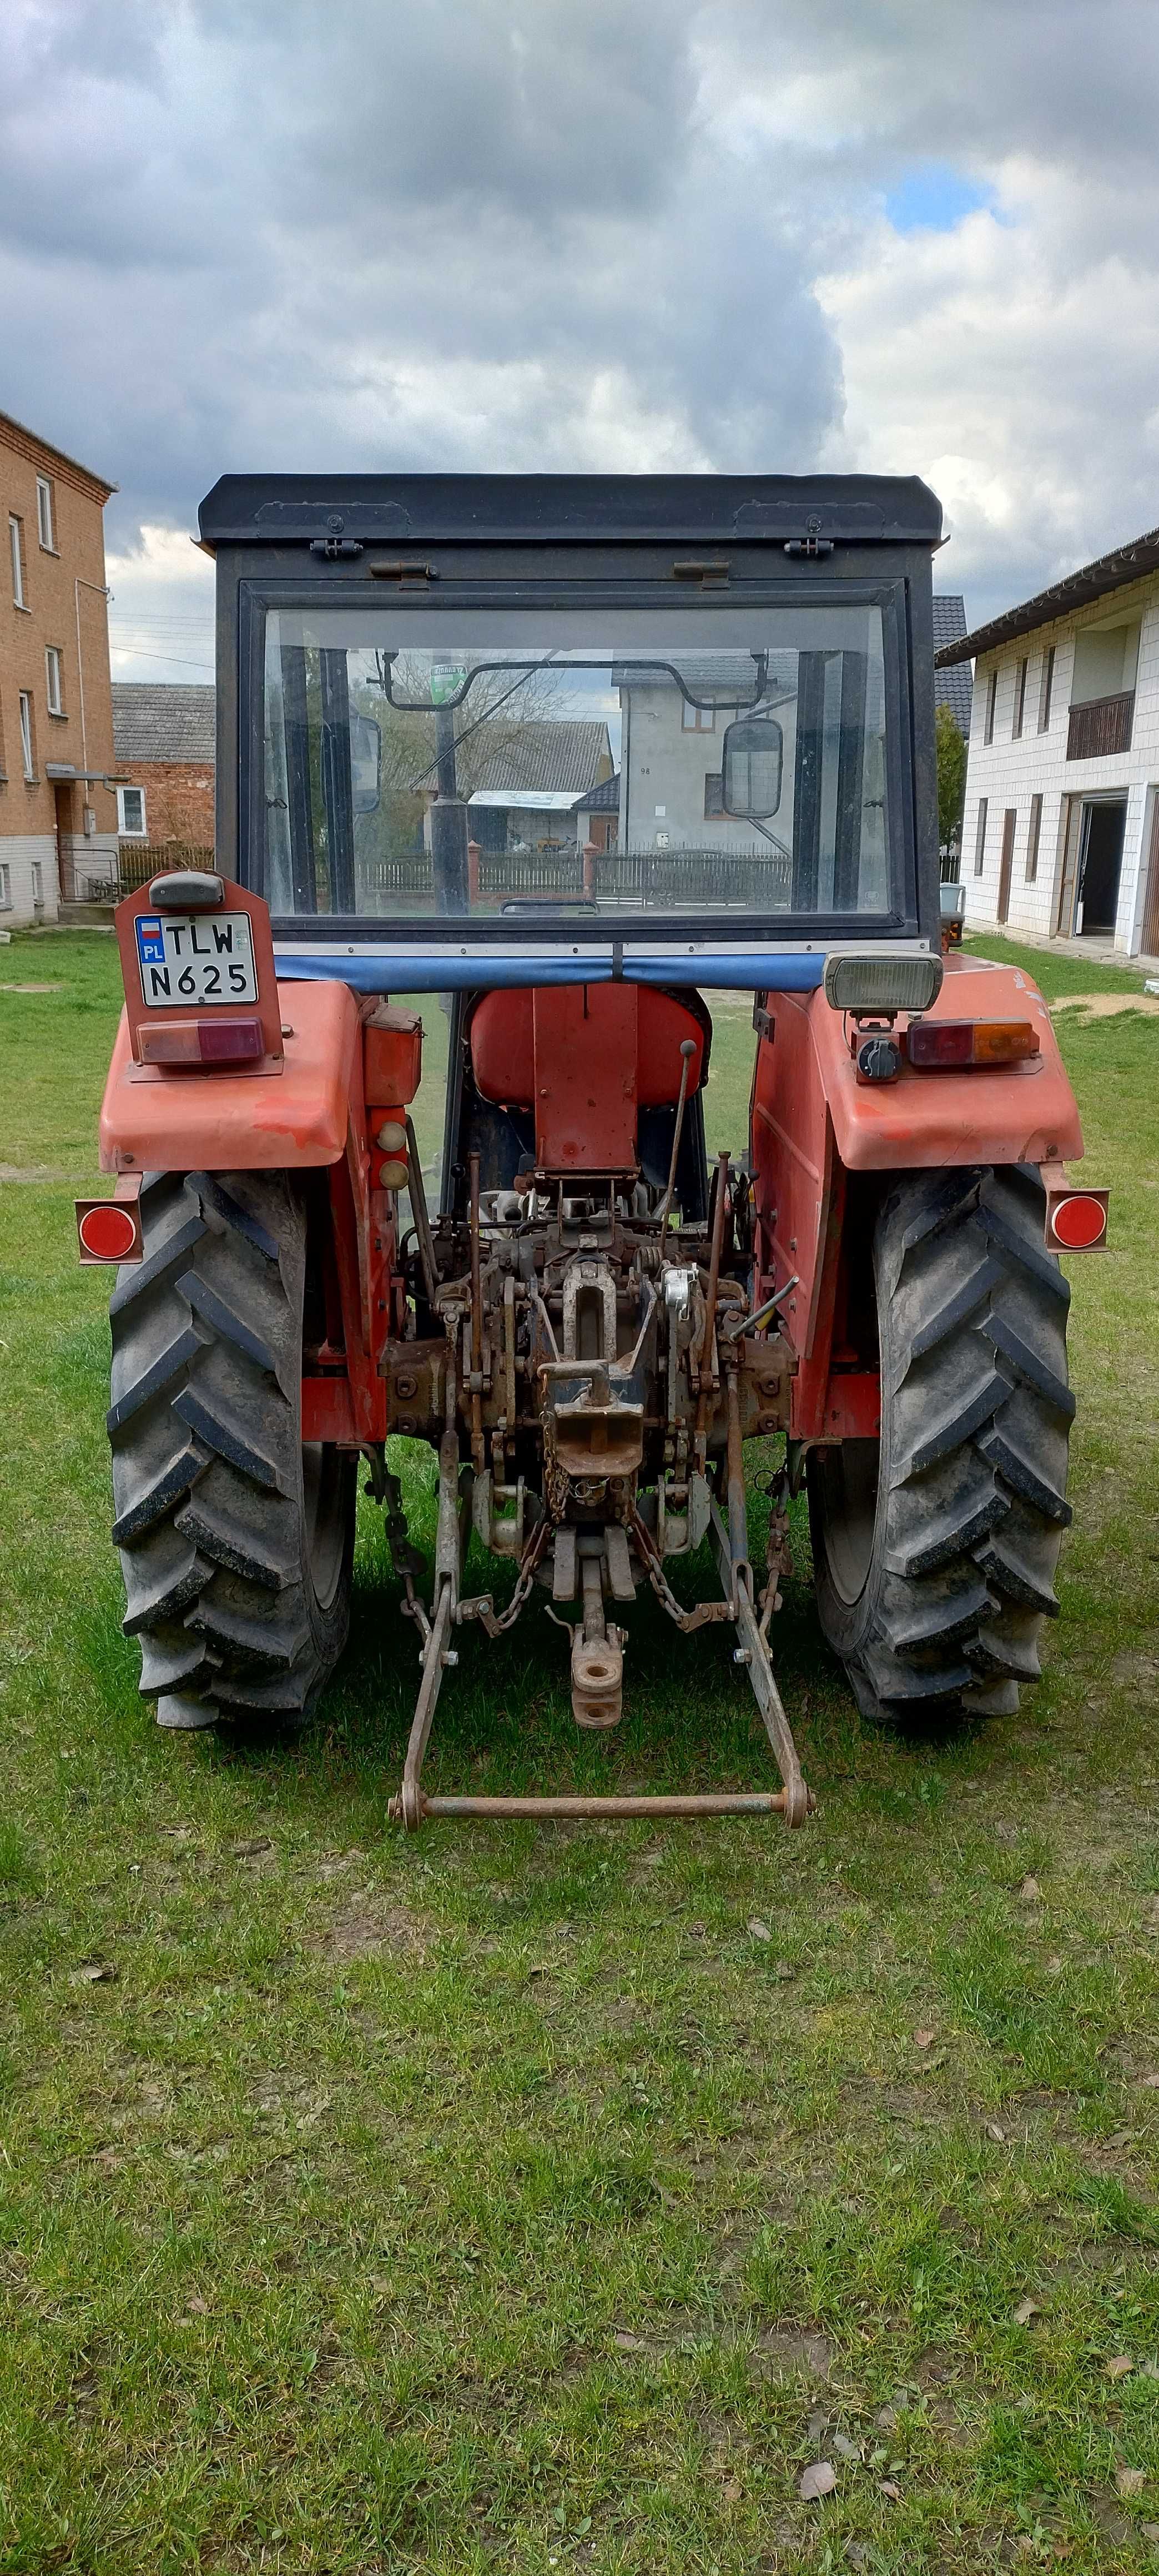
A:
x: 562, y: 233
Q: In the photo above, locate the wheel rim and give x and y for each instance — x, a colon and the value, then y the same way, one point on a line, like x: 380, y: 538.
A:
x: 323, y: 1472
x: 849, y: 1483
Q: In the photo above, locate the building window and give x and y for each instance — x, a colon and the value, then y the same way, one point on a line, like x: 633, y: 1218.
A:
x: 52, y: 677
x: 44, y: 515
x: 991, y: 697
x: 16, y: 548
x: 38, y: 885
x: 131, y: 812
x: 713, y: 795
x: 1019, y: 699
x: 1045, y: 686
x: 5, y: 887
x: 980, y: 843
x: 26, y: 735
x: 1032, y: 839
x: 697, y: 719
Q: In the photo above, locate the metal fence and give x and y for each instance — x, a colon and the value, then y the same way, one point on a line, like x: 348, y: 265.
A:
x: 673, y: 880
x: 137, y: 861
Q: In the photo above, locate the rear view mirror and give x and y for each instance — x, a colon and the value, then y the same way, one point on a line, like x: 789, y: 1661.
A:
x: 365, y: 762
x: 752, y: 755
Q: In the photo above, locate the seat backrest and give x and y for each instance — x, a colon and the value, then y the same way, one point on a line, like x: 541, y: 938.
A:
x: 586, y: 1058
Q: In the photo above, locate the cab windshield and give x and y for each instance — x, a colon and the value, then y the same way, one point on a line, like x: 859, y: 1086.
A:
x: 418, y: 766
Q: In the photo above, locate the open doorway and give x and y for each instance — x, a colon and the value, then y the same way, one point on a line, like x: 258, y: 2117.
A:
x: 1091, y: 867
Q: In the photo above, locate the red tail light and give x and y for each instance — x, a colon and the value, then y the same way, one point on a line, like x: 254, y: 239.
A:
x: 949, y: 1044
x: 202, y: 1042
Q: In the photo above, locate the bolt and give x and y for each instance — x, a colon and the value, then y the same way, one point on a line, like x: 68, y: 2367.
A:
x: 405, y: 1386
x: 741, y: 1655
x: 450, y: 1655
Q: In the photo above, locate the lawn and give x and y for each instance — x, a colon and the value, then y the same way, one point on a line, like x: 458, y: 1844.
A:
x: 551, y: 2198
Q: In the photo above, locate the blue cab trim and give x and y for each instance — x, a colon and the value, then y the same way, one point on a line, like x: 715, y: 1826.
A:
x: 397, y: 971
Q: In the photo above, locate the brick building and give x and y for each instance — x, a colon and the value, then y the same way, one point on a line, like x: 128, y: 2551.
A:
x: 58, y: 817
x: 165, y: 748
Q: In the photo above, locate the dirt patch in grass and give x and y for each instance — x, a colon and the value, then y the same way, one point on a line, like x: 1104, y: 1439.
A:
x: 370, y: 1928
x: 1105, y: 1006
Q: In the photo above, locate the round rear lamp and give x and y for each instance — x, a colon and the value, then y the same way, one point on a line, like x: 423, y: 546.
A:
x: 108, y: 1233
x: 1077, y: 1223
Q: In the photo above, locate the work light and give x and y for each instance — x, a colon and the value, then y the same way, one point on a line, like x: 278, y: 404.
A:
x: 879, y: 982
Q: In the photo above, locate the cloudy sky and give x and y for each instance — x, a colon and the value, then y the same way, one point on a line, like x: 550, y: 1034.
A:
x: 887, y: 235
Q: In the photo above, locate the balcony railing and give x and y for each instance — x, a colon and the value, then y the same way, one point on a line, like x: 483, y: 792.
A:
x: 1100, y: 725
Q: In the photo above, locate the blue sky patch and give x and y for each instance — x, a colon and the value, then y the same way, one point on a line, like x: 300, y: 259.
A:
x: 933, y: 197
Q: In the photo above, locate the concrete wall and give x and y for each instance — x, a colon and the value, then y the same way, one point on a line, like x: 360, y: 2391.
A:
x: 1009, y: 773
x: 18, y: 853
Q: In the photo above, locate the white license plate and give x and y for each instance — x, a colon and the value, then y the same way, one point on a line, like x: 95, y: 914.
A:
x: 197, y: 957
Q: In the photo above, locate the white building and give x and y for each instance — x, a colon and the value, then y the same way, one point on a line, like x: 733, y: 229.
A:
x: 1060, y: 834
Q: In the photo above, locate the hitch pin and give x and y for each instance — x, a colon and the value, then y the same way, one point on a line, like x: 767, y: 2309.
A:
x: 749, y: 1323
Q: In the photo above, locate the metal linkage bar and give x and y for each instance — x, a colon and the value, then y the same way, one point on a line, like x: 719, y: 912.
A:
x: 743, y: 1803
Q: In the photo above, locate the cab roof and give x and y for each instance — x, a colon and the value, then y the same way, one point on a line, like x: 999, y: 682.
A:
x: 710, y: 509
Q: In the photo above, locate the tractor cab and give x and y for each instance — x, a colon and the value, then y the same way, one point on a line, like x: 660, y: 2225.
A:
x: 469, y: 725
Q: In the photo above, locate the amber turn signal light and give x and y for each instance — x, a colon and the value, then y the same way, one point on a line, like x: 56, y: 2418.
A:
x: 950, y: 1044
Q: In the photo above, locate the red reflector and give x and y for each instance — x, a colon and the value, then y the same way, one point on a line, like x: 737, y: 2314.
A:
x: 932, y: 1043
x: 107, y: 1232
x: 230, y: 1041
x: 201, y: 1042
x: 1078, y: 1222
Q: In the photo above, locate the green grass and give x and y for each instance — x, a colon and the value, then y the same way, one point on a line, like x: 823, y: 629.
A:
x: 500, y: 2200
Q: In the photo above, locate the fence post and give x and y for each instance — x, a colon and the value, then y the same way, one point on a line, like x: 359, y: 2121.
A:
x: 472, y: 873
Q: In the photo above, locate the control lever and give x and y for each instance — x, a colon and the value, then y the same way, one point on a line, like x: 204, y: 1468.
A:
x: 687, y: 1050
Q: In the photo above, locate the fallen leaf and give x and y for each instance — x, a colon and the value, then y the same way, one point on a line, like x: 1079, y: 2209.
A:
x: 889, y: 2487
x: 997, y: 2132
x: 96, y: 1972
x: 1030, y: 1892
x: 924, y: 2038
x: 249, y: 1850
x: 627, y: 2342
x: 885, y: 2419
x: 1025, y: 2310
x: 1150, y: 2083
x: 1119, y: 2366
x: 1150, y: 2530
x: 845, y: 2449
x: 760, y: 1931
x: 533, y: 1974
x: 817, y: 2480
x: 1130, y: 2481
x: 198, y: 2307
x: 785, y: 1971
x: 733, y: 2491
x: 1120, y: 2138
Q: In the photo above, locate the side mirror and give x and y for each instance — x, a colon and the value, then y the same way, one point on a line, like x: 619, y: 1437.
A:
x: 752, y: 758
x: 365, y: 762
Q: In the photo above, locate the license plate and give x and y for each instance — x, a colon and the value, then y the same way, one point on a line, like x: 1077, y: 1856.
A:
x: 195, y: 957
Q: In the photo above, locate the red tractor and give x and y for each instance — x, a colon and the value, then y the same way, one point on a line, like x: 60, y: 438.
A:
x: 565, y: 755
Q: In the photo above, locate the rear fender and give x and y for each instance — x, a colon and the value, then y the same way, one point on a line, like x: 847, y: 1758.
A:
x: 819, y: 1138
x: 294, y: 1118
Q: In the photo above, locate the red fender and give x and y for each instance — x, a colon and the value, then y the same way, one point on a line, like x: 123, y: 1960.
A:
x: 814, y: 1127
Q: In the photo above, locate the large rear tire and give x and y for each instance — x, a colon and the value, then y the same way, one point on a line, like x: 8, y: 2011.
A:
x: 235, y: 1539
x: 935, y: 1549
